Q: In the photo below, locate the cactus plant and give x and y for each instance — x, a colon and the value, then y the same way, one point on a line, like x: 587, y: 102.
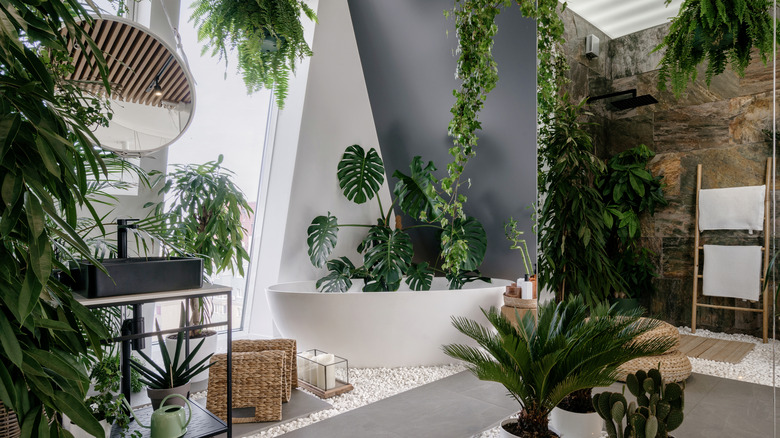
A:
x: 657, y: 411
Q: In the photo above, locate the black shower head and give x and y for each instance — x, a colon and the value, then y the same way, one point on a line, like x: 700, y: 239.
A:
x: 628, y: 103
x: 633, y: 102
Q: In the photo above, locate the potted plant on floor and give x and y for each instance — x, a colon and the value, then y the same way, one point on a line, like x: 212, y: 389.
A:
x: 387, y: 251
x: 169, y: 378
x: 267, y: 34
x: 540, y: 364
x: 202, y: 217
x: 657, y: 411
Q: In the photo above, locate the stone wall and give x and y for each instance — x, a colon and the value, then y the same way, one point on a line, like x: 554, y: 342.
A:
x: 719, y: 126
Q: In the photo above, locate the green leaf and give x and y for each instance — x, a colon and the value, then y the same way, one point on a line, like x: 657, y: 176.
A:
x: 472, y: 232
x: 339, y: 277
x: 11, y: 189
x: 419, y: 276
x: 9, y: 127
x: 10, y: 343
x: 322, y: 238
x: 388, y: 254
x: 78, y: 413
x: 28, y: 297
x: 35, y: 217
x: 416, y: 194
x: 360, y: 174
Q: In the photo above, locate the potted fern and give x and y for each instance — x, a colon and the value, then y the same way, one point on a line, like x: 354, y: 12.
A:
x: 540, y: 364
x: 267, y: 34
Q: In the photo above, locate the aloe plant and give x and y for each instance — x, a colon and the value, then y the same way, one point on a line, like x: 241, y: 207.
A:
x: 174, y: 372
x: 387, y: 251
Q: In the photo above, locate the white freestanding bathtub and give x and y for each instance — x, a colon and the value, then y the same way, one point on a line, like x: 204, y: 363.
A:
x: 380, y: 329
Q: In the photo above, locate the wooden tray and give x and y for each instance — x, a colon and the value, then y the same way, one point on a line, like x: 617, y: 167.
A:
x: 341, y: 388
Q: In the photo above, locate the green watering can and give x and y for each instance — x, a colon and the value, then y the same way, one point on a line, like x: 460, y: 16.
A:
x: 168, y: 421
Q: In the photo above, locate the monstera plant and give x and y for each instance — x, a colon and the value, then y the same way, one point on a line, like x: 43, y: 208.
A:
x: 387, y: 251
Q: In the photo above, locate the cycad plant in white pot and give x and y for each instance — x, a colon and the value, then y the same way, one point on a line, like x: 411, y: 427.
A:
x: 540, y: 364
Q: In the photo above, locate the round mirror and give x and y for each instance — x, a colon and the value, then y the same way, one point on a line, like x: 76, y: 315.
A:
x: 152, y: 90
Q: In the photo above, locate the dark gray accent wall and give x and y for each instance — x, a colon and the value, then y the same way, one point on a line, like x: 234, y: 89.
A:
x: 409, y: 66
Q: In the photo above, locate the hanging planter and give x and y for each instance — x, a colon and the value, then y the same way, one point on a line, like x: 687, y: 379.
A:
x: 267, y: 34
x: 722, y: 33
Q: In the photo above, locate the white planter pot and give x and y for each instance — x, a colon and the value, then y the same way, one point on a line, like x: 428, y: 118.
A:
x: 502, y: 433
x: 81, y: 433
x: 574, y: 425
x: 209, y: 347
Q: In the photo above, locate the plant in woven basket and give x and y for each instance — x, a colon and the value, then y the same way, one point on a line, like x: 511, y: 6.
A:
x: 267, y: 34
x: 387, y: 252
x: 722, y: 32
x: 657, y: 411
x: 566, y: 351
x: 169, y: 375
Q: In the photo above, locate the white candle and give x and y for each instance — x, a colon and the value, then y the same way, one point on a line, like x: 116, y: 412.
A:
x: 305, y: 367
x: 326, y: 376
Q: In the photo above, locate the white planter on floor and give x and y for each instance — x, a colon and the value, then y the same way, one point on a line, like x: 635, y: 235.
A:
x: 574, y: 425
x: 81, y: 433
x: 502, y: 433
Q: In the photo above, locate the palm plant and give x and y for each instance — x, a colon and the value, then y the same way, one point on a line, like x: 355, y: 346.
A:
x: 567, y: 351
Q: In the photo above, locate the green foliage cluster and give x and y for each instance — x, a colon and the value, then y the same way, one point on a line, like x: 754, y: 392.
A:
x: 175, y: 371
x: 267, y: 34
x: 572, y: 231
x: 46, y: 162
x: 388, y: 252
x: 629, y: 189
x: 657, y: 411
x: 478, y: 72
x: 541, y: 363
x: 722, y: 32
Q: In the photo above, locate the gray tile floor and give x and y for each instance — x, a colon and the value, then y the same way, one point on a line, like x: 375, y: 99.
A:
x: 461, y: 406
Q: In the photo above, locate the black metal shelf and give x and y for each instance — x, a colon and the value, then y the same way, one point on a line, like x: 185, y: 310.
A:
x: 203, y: 424
x: 207, y: 423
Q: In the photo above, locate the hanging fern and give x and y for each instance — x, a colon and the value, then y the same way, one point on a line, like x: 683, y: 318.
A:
x: 267, y: 34
x: 721, y: 32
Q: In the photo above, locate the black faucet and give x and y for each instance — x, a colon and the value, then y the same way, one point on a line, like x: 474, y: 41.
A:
x: 121, y: 236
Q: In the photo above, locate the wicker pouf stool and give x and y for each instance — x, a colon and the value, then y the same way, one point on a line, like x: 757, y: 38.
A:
x: 258, y: 382
x: 9, y: 425
x: 674, y: 366
x: 664, y: 329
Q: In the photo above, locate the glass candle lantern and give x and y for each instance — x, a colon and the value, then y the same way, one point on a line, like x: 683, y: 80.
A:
x: 322, y: 370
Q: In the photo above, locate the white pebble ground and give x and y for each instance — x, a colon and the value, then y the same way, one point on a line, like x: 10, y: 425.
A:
x: 373, y: 384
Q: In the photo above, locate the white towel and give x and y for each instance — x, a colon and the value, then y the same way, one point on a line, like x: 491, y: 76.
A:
x: 732, y: 271
x: 733, y: 208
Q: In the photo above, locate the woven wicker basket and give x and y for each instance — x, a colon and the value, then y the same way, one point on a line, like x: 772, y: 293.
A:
x: 291, y: 356
x: 674, y: 366
x: 258, y: 382
x: 9, y: 425
x: 519, y: 302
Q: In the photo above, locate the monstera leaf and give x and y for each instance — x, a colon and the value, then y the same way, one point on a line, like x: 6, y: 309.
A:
x: 339, y: 279
x: 419, y: 276
x: 457, y: 280
x: 380, y: 286
x: 360, y: 174
x: 417, y: 193
x: 388, y: 254
x: 470, y: 236
x: 323, y: 234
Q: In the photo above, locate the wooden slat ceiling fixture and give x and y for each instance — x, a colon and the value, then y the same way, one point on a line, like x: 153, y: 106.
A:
x: 134, y: 59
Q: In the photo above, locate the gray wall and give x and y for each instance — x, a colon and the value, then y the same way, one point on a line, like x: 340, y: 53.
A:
x: 409, y: 64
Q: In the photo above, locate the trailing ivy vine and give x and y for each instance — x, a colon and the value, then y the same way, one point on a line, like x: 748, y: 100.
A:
x: 267, y: 34
x: 722, y: 32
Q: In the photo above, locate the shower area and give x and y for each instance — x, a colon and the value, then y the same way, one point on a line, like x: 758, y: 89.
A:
x: 725, y: 127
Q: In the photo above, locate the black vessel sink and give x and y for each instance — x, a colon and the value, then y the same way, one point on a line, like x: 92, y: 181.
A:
x: 137, y: 275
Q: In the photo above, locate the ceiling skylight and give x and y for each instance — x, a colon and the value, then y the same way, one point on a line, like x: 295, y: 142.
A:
x: 622, y: 17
